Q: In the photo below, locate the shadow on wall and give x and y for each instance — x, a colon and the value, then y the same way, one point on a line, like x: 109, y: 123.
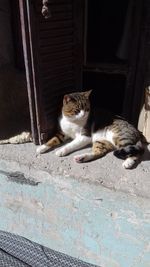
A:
x: 6, y: 41
x: 14, y: 110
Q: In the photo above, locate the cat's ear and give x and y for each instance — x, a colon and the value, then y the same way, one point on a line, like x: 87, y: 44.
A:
x: 67, y: 98
x: 87, y: 93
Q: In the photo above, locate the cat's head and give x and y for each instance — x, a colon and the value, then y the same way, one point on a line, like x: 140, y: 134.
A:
x: 76, y: 106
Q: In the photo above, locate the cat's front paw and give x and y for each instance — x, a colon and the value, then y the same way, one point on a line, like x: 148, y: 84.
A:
x: 83, y: 158
x: 61, y: 152
x: 42, y: 149
x: 80, y: 158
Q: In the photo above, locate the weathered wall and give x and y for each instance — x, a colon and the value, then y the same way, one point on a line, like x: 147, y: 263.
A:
x: 144, y: 118
x: 6, y: 44
x: 14, y: 111
x: 97, y: 225
x: 14, y: 114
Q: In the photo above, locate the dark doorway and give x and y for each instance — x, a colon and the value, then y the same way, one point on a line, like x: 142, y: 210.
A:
x: 105, y: 26
x: 108, y: 90
x: 108, y: 41
x: 84, y: 44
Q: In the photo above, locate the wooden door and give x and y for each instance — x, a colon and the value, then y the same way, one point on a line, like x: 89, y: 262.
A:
x: 53, y: 59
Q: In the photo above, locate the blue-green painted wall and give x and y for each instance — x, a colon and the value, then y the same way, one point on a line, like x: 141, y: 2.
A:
x: 97, y: 225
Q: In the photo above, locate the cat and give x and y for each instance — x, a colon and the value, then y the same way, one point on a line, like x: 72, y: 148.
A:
x: 85, y: 126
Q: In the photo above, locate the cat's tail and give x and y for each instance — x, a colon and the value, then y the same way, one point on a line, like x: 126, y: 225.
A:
x: 130, y: 153
x: 21, y: 138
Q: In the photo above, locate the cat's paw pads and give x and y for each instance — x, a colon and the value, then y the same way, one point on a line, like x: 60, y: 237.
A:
x: 42, y: 149
x: 128, y: 163
x: 61, y: 152
x: 80, y: 158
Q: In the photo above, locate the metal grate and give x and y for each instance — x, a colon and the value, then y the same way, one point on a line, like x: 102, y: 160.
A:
x: 16, y: 251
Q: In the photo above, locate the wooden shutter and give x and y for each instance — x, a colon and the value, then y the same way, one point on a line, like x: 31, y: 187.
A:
x: 53, y: 59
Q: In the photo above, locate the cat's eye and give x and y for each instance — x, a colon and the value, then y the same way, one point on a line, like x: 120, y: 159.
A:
x: 77, y: 111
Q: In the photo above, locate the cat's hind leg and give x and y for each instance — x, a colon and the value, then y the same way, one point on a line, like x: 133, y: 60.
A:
x: 131, y: 154
x: 99, y: 149
x: 52, y: 143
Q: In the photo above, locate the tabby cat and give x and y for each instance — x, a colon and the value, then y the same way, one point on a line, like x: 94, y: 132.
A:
x: 97, y: 127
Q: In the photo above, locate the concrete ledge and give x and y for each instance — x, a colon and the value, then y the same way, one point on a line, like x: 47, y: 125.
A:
x: 84, y: 220
x: 107, y: 172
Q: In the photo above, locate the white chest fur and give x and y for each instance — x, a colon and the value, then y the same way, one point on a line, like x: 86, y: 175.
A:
x: 69, y: 128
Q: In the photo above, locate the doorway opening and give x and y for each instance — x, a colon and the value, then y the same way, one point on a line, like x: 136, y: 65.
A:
x: 107, y: 40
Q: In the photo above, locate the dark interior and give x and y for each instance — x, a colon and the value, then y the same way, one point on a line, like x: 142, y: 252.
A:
x: 106, y: 57
x: 14, y: 109
x: 108, y: 90
x: 106, y: 21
